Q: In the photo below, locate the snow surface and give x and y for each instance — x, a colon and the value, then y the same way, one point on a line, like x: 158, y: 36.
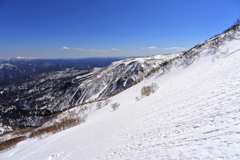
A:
x: 195, y: 114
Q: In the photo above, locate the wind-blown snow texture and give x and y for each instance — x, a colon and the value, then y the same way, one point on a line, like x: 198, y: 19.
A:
x: 193, y: 115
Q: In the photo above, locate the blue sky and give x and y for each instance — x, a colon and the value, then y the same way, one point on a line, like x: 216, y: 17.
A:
x: 85, y: 28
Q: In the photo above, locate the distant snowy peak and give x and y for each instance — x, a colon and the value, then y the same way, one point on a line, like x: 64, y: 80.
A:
x: 7, y: 66
x: 158, y: 58
x: 23, y: 58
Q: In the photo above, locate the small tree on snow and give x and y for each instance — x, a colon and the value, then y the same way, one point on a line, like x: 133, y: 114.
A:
x: 147, y: 90
x: 115, y: 106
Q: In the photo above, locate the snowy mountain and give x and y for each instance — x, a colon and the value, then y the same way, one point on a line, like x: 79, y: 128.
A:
x: 116, y: 78
x: 8, y: 72
x: 184, y: 106
x: 34, y: 102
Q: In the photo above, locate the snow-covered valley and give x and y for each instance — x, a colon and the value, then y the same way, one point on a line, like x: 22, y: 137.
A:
x: 194, y: 114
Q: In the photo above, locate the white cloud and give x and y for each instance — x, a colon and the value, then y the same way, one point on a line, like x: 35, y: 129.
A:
x: 65, y: 48
x: 152, y: 47
x: 20, y: 57
x: 163, y: 49
x: 155, y: 48
x: 175, y: 48
x: 115, y: 49
x: 91, y: 51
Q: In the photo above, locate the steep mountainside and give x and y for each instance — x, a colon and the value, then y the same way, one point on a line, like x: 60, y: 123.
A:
x: 117, y: 77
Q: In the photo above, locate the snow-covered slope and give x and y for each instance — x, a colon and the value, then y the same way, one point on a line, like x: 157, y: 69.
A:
x: 194, y: 114
x: 32, y: 103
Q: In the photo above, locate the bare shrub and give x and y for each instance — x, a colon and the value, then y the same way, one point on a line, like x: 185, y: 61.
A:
x: 23, y: 134
x: 11, y: 142
x: 58, y: 126
x: 99, y: 105
x: 147, y: 90
x: 138, y: 98
x: 106, y: 102
x: 115, y: 106
x: 22, y: 131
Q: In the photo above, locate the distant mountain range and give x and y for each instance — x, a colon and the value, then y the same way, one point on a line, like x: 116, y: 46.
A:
x: 17, y: 70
